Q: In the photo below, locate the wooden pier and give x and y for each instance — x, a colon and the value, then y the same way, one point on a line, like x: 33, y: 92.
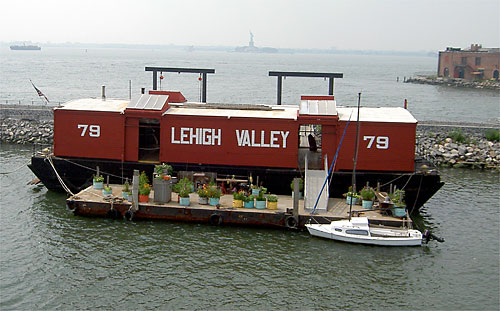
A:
x: 91, y: 202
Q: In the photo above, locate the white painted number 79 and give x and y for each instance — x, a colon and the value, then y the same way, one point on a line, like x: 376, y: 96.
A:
x: 94, y: 130
x: 382, y: 141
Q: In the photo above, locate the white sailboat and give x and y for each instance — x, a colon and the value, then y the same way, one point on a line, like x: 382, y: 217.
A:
x: 358, y: 230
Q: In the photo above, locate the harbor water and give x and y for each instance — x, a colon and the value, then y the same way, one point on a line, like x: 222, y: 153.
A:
x: 52, y: 260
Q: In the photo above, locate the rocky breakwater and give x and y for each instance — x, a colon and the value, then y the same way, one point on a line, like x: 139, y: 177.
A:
x: 469, y: 147
x: 17, y: 131
x: 455, y: 82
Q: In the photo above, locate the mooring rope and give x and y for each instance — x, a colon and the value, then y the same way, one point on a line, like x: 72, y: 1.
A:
x: 66, y: 188
x: 88, y: 168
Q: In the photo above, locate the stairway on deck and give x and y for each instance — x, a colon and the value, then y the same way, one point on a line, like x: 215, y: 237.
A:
x: 313, y: 183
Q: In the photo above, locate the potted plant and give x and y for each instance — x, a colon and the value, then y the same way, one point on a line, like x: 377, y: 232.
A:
x: 144, y: 190
x: 367, y: 195
x: 98, y: 182
x: 272, y: 201
x: 238, y: 198
x: 144, y: 187
x: 399, y: 209
x: 255, y: 190
x: 352, y: 197
x: 184, y: 187
x: 126, y: 190
x: 214, y: 194
x: 301, y: 188
x: 260, y: 200
x: 248, y: 201
x: 203, y: 195
x: 162, y: 183
x: 106, y: 190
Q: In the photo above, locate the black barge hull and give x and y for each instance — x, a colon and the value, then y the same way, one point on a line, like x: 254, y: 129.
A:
x: 77, y: 174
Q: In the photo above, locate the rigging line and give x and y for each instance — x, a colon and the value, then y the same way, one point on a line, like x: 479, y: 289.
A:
x: 331, y: 166
x: 86, y: 167
x: 389, y: 182
x: 418, y: 192
x: 59, y: 177
x: 408, y: 181
x: 17, y: 169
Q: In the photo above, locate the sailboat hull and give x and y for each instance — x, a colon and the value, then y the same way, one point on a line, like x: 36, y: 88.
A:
x: 347, y: 231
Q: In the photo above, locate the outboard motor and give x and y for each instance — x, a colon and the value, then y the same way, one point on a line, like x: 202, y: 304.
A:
x: 428, y: 235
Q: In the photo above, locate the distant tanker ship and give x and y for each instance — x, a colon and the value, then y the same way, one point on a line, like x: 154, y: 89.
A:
x: 25, y: 47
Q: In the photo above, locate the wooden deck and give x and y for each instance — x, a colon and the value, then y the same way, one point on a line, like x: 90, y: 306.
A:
x: 91, y: 202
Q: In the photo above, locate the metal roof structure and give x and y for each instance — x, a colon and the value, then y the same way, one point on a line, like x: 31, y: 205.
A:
x: 378, y: 114
x: 96, y: 104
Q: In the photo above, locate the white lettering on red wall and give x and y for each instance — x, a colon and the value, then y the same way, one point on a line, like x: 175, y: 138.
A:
x: 196, y: 136
x: 262, y: 139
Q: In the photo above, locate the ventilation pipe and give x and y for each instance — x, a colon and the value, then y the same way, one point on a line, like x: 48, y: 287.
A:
x: 103, y: 92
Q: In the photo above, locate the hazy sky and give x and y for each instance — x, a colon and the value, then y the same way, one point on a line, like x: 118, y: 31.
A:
x: 344, y: 24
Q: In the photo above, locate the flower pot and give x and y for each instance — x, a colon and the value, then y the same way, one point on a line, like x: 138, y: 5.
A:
x: 125, y: 196
x: 237, y: 203
x: 248, y: 204
x: 399, y: 211
x: 272, y: 205
x: 143, y: 198
x: 255, y: 192
x: 367, y: 204
x: 184, y: 201
x: 301, y: 195
x: 203, y: 200
x: 98, y: 185
x: 349, y: 199
x: 260, y: 204
x: 162, y: 190
x: 104, y: 192
x: 213, y: 201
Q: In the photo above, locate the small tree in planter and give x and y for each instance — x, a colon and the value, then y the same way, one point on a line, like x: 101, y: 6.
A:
x: 214, y: 194
x: 126, y: 190
x: 397, y: 197
x: 107, y: 191
x: 352, y: 196
x: 272, y: 201
x: 248, y: 201
x: 98, y: 182
x: 260, y: 200
x: 203, y: 195
x: 301, y: 188
x: 184, y: 187
x: 144, y: 187
x: 367, y: 195
x: 238, y: 198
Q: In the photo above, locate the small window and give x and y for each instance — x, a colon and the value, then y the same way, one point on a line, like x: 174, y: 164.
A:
x: 464, y: 60
x: 338, y: 230
x: 478, y: 61
x: 357, y: 232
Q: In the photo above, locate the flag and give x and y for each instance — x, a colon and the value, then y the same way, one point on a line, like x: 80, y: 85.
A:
x: 39, y: 92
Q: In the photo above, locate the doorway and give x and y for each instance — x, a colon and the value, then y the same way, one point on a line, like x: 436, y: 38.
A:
x: 149, y: 140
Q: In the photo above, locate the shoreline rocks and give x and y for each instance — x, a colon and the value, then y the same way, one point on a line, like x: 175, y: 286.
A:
x: 455, y: 82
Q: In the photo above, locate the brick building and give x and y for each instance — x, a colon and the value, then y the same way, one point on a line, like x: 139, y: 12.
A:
x: 474, y: 63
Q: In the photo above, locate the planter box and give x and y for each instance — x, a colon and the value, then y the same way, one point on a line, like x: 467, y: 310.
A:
x: 184, y: 201
x: 238, y: 203
x: 213, y: 201
x: 255, y: 192
x: 367, y: 204
x: 349, y: 199
x: 301, y: 195
x: 104, y: 192
x: 203, y: 201
x: 143, y: 198
x: 162, y: 190
x: 272, y: 205
x: 98, y: 185
x: 260, y: 204
x: 249, y: 204
x: 399, y: 211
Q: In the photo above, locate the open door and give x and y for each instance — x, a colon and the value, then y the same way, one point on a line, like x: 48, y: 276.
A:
x: 149, y: 140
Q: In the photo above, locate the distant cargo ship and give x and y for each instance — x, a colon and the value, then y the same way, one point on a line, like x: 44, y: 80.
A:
x: 25, y: 47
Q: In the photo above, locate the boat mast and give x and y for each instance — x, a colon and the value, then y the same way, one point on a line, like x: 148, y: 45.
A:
x: 353, y: 181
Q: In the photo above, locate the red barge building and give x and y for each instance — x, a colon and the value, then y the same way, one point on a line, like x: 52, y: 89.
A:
x: 268, y: 142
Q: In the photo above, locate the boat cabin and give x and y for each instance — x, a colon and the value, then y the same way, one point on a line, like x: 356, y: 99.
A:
x: 162, y: 126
